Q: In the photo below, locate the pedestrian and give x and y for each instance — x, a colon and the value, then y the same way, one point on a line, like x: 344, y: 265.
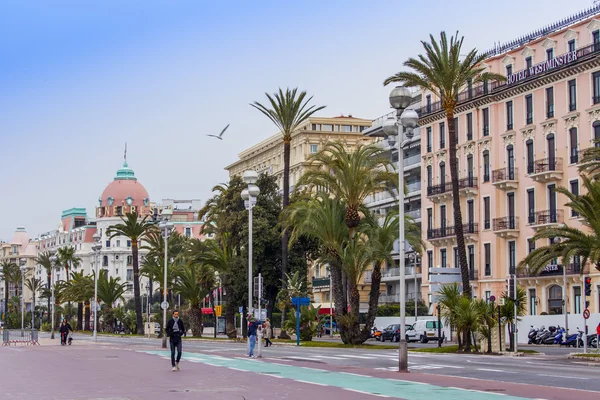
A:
x: 64, y: 331
x: 598, y: 336
x: 252, y: 328
x: 175, y: 330
x: 268, y: 333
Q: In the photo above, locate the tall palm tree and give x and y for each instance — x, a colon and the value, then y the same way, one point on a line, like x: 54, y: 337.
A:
x: 135, y: 229
x: 190, y: 286
x: 110, y: 290
x: 288, y: 111
x: 68, y: 259
x: 34, y: 285
x: 442, y: 72
x: 59, y: 297
x: 81, y: 289
x: 7, y: 274
x: 590, y: 162
x: 583, y: 244
x: 43, y: 259
x: 350, y: 177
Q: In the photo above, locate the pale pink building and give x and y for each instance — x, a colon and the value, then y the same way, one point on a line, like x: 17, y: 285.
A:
x: 517, y: 141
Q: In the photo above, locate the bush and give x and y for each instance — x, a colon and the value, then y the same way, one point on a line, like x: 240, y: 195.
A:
x: 393, y: 310
x: 46, y: 327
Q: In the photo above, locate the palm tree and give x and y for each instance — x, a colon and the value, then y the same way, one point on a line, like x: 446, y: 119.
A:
x: 7, y: 273
x: 81, y: 289
x: 590, y: 162
x: 68, y: 259
x: 507, y: 311
x: 110, y: 290
x: 288, y: 111
x: 34, y: 285
x: 43, y: 259
x: 59, y: 297
x: 350, y: 177
x: 442, y: 72
x: 189, y: 286
x: 136, y: 230
x: 582, y: 244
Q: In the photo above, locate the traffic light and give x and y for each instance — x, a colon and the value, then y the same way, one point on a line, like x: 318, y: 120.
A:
x: 588, y: 286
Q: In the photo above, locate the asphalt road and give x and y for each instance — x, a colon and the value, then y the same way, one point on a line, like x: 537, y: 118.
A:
x: 549, y: 370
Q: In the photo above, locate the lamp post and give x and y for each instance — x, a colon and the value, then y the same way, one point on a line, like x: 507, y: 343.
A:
x: 330, y: 304
x: 23, y: 268
x: 400, y: 98
x: 166, y: 228
x: 249, y: 195
x: 96, y: 247
x: 53, y: 259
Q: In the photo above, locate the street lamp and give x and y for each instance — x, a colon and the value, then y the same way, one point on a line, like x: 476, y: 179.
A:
x: 22, y: 262
x: 96, y: 247
x: 400, y: 98
x: 53, y: 259
x: 249, y: 195
x: 166, y: 228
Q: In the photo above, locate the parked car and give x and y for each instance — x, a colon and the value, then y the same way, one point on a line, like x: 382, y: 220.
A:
x: 424, y: 330
x: 391, y: 333
x: 156, y: 328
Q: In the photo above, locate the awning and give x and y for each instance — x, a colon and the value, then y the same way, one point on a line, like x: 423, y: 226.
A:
x: 326, y: 311
x: 207, y: 311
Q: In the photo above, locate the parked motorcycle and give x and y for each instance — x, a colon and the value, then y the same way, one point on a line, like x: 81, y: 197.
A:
x: 532, y: 334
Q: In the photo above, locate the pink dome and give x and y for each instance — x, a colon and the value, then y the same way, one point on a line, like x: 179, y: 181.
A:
x: 121, y: 190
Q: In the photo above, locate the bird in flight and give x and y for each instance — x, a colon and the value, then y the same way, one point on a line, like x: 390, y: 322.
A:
x: 220, y: 137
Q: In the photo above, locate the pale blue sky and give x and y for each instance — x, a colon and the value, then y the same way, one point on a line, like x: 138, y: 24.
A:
x: 79, y: 79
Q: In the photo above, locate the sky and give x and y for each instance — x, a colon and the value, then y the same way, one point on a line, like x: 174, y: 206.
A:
x: 79, y: 79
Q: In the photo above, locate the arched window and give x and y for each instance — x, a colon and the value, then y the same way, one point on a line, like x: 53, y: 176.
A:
x: 530, y: 160
x: 551, y: 152
x: 574, y: 146
x: 510, y: 160
x: 555, y: 293
x: 105, y: 261
x: 486, y: 166
x: 596, y: 126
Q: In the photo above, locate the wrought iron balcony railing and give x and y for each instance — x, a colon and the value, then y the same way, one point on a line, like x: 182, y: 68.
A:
x: 504, y: 223
x: 447, y: 231
x: 504, y: 174
x: 546, y: 217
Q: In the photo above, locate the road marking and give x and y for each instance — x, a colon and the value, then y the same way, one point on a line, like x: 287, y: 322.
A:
x: 302, y: 358
x: 363, y: 392
x: 564, y: 377
x: 490, y: 370
x: 312, y: 383
x: 330, y: 357
x: 352, y: 356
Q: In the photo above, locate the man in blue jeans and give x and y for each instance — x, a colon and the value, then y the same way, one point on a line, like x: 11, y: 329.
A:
x: 175, y: 330
x: 252, y: 327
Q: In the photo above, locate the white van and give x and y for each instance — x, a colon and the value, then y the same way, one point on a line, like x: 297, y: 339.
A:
x: 424, y: 330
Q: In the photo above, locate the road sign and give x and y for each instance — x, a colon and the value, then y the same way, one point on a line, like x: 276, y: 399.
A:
x: 440, y: 278
x: 300, y: 301
x: 397, y: 245
x: 241, y: 309
x: 586, y: 313
x: 501, y: 301
x: 262, y: 316
x: 218, y: 310
x: 492, y: 298
x: 164, y: 305
x: 258, y: 283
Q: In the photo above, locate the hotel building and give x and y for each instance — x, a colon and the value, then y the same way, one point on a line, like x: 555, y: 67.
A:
x: 517, y: 142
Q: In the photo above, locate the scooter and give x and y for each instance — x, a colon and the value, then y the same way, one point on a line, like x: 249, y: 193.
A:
x: 543, y: 334
x: 532, y: 334
x: 377, y: 334
x: 571, y: 340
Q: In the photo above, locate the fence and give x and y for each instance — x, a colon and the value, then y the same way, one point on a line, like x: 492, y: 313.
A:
x: 19, y: 336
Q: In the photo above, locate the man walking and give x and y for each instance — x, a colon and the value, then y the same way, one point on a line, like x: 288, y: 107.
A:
x: 175, y: 330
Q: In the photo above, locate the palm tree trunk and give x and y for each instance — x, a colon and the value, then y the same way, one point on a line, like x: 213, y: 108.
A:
x: 136, y: 288
x: 373, y: 301
x: 80, y: 316
x: 68, y: 302
x: 230, y: 313
x: 286, y: 200
x: 49, y: 277
x: 6, y: 297
x: 458, y: 224
x: 87, y: 315
x: 339, y: 295
x: 211, y: 297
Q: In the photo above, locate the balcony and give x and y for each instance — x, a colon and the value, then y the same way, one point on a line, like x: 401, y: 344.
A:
x: 467, y: 186
x: 414, y: 214
x: 447, y: 235
x: 411, y: 162
x: 546, y: 170
x: 552, y: 270
x: 507, y: 227
x: 439, y: 192
x: 393, y: 274
x: 320, y: 282
x: 506, y: 178
x: 378, y: 199
x: 542, y: 219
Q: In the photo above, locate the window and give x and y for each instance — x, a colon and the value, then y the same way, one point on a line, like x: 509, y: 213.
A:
x: 487, y: 249
x: 442, y: 173
x: 327, y: 128
x: 530, y: 160
x: 486, y: 121
x: 442, y: 135
x: 509, y: 115
x: 508, y: 70
x: 575, y: 191
x: 596, y: 80
x: 528, y: 62
x: 550, y: 102
x: 431, y: 325
x: 346, y: 128
x: 596, y: 126
x: 530, y: 245
x: 571, y: 45
x: 456, y: 258
x: 549, y: 54
x: 456, y: 129
x: 316, y: 127
x: 577, y: 298
x: 471, y: 259
x: 596, y: 40
x: 443, y: 260
x: 314, y: 148
x: 129, y: 260
x: 488, y: 294
x: 428, y: 100
x: 188, y: 232
x: 510, y: 157
x: 118, y: 243
x: 512, y: 257
x: 486, y: 166
x: 443, y: 217
x: 105, y: 261
x: 429, y: 176
x: 129, y: 274
x: 429, y: 139
x: 108, y: 243
x: 119, y: 210
x: 572, y: 95
x: 574, y: 146
x: 529, y: 109
x: 530, y: 206
x: 470, y: 212
x: 429, y: 218
x: 469, y: 126
x: 532, y: 302
x: 486, y: 213
x: 129, y: 243
x: 429, y: 258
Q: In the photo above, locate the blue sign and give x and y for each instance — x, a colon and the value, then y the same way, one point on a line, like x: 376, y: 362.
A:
x: 241, y: 310
x: 300, y: 301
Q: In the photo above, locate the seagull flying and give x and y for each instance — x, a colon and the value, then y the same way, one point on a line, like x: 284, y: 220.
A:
x: 220, y: 137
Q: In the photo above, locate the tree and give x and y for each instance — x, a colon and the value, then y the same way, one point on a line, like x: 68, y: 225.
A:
x: 574, y: 243
x: 507, y: 311
x: 7, y: 273
x: 442, y: 72
x: 590, y: 162
x: 190, y: 287
x: 34, y: 285
x: 136, y: 230
x: 309, y: 320
x: 81, y: 289
x: 59, y: 297
x: 110, y: 290
x: 43, y: 259
x: 288, y: 111
x: 68, y: 259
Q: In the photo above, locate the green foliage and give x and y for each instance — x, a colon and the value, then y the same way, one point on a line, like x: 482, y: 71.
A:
x: 309, y: 320
x: 292, y: 286
x: 46, y: 327
x: 393, y: 310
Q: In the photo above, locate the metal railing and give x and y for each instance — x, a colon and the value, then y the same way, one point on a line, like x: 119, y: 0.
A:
x: 411, y: 160
x: 447, y: 231
x: 552, y: 270
x: 546, y: 217
x: 318, y: 282
x: 545, y: 165
x: 413, y: 187
x: 504, y: 223
x: 28, y: 337
x: 414, y: 214
x: 468, y: 182
x: 439, y: 189
x: 504, y: 174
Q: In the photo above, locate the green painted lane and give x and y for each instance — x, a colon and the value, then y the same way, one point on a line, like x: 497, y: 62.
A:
x: 359, y: 383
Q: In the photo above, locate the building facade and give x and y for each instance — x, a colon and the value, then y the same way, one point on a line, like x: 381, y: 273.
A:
x: 517, y: 142
x: 384, y: 202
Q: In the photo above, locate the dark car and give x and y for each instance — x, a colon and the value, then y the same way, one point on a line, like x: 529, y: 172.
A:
x: 391, y: 333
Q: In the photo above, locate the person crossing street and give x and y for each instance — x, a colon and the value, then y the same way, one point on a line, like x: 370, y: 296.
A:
x: 175, y: 330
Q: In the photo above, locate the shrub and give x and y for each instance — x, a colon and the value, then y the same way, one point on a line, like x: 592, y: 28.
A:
x: 46, y: 327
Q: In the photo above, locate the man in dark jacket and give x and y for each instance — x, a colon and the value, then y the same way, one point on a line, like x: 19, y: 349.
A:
x: 64, y: 331
x: 175, y: 330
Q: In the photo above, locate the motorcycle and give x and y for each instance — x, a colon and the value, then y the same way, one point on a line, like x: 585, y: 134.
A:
x: 532, y: 334
x: 376, y: 334
x: 571, y: 340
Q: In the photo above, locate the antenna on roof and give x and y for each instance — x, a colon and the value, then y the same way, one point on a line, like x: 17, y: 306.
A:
x: 125, y: 153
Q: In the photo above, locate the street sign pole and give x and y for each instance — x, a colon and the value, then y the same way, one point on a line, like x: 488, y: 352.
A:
x: 299, y: 302
x: 259, y: 353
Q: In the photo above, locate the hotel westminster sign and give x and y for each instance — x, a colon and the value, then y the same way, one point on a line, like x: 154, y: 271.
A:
x: 542, y: 67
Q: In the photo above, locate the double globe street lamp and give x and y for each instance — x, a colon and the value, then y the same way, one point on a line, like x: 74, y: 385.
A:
x: 53, y: 260
x: 166, y: 228
x: 396, y: 128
